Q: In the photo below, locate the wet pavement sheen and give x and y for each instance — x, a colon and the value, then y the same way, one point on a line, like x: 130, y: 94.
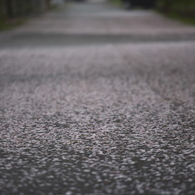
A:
x: 96, y: 100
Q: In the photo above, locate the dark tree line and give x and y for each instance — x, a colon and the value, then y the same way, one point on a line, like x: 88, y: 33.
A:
x: 143, y: 3
x: 19, y: 8
x: 129, y: 4
x: 184, y: 8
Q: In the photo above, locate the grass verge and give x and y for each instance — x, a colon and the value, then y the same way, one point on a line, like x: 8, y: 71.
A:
x: 186, y: 20
x: 183, y: 19
x: 11, y: 23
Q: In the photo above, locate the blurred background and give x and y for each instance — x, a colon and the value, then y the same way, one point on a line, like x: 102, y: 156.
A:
x: 14, y: 12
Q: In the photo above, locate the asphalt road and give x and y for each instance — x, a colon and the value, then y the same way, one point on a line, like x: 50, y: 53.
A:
x: 96, y: 100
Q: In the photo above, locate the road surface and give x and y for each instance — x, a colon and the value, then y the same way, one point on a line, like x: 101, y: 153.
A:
x: 96, y: 100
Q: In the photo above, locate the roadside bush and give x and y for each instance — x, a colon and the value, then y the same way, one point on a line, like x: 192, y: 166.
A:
x: 14, y: 11
x: 183, y: 8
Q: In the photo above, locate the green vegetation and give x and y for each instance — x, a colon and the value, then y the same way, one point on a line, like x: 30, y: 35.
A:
x: 15, y: 12
x: 183, y: 10
x: 116, y: 2
x: 11, y: 23
x: 184, y: 19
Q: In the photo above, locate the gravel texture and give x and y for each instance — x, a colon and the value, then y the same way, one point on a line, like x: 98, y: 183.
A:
x: 115, y: 118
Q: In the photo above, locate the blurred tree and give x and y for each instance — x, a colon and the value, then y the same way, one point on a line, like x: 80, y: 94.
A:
x: 139, y: 3
x: 17, y: 8
x: 11, y: 9
x: 48, y: 4
x: 2, y: 11
x: 184, y: 8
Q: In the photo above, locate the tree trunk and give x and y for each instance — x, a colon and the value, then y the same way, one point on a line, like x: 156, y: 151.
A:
x: 9, y: 9
x: 2, y: 11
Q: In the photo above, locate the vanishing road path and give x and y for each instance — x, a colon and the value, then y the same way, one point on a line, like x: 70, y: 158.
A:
x: 96, y: 100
